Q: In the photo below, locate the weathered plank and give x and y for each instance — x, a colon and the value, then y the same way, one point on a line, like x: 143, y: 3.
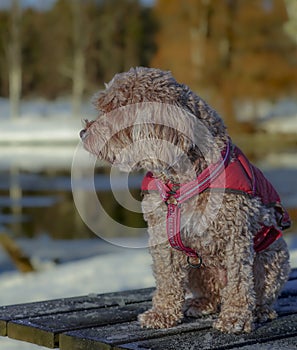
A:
x: 52, y: 307
x: 96, y: 337
x: 3, y: 328
x: 277, y: 344
x: 283, y: 327
x: 44, y: 330
x: 91, y: 338
x: 88, y: 323
x: 286, y: 306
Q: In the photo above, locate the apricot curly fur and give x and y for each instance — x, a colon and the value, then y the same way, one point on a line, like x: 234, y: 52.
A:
x: 235, y: 281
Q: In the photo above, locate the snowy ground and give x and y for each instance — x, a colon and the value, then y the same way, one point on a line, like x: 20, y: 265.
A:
x: 127, y: 269
x: 31, y: 129
x: 120, y: 269
x: 43, y: 121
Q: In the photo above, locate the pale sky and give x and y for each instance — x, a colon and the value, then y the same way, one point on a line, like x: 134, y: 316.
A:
x: 44, y: 4
x: 41, y: 4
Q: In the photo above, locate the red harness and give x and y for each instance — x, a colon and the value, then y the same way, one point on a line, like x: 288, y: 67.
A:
x: 237, y: 176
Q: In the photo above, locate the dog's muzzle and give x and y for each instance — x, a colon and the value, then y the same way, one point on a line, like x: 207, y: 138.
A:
x: 88, y: 123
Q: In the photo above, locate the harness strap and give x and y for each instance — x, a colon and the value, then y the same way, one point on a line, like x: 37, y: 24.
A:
x: 202, y: 182
x: 173, y: 230
x: 175, y: 197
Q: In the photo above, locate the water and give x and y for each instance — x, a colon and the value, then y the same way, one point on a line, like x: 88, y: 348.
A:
x: 41, y: 202
x: 36, y: 196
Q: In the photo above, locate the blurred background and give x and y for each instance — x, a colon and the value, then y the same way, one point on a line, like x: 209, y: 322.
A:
x: 239, y: 55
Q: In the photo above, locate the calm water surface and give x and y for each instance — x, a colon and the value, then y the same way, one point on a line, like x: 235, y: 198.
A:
x: 36, y: 197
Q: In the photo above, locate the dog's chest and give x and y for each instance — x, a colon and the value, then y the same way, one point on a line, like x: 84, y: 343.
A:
x: 197, y: 216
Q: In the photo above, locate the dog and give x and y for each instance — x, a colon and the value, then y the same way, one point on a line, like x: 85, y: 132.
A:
x: 216, y: 236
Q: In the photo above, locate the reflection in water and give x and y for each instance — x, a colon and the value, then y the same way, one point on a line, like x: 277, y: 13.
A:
x: 38, y: 200
x: 15, y: 194
x: 41, y: 202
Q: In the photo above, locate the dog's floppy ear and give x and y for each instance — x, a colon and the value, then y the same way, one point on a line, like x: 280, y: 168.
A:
x: 105, y: 100
x: 102, y: 100
x: 117, y: 93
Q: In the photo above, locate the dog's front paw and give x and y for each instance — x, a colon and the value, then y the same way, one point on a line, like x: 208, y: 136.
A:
x: 159, y: 319
x: 241, y: 323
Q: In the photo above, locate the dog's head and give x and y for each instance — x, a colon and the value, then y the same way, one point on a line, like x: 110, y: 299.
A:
x: 148, y: 120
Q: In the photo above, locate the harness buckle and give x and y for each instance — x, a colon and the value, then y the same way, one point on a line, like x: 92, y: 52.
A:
x: 171, y: 200
x: 198, y: 265
x: 171, y: 195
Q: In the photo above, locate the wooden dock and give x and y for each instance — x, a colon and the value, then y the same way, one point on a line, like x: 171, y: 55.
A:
x: 109, y: 321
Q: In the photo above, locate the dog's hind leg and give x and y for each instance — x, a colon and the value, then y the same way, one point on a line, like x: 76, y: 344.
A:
x: 204, y: 284
x: 271, y: 271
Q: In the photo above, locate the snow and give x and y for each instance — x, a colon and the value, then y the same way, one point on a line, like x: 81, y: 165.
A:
x: 111, y: 272
x: 32, y: 158
x: 284, y: 124
x: 9, y: 344
x: 43, y: 121
x: 281, y: 117
x: 31, y: 129
x: 278, y: 116
x: 122, y: 269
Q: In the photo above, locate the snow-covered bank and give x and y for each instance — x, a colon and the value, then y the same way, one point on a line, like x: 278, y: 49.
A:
x: 280, y: 124
x: 32, y: 157
x: 42, y: 121
x: 280, y: 117
x: 52, y: 121
x: 110, y: 272
x: 55, y: 129
x: 127, y: 269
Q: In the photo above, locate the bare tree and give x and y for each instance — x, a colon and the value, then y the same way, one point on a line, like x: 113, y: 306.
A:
x: 291, y: 25
x: 78, y: 57
x: 226, y: 57
x: 14, y: 56
x: 199, y: 32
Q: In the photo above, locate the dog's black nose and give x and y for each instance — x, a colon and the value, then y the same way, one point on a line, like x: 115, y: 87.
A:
x: 82, y: 132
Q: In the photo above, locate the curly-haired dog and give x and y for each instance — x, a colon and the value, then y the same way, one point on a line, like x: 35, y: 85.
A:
x: 235, y: 261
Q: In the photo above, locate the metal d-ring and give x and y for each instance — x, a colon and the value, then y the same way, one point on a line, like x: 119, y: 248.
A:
x: 195, y: 266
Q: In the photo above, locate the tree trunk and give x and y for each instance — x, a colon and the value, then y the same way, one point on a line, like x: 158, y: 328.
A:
x: 291, y: 25
x: 15, y: 71
x: 199, y: 33
x: 78, y: 58
x: 226, y: 57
